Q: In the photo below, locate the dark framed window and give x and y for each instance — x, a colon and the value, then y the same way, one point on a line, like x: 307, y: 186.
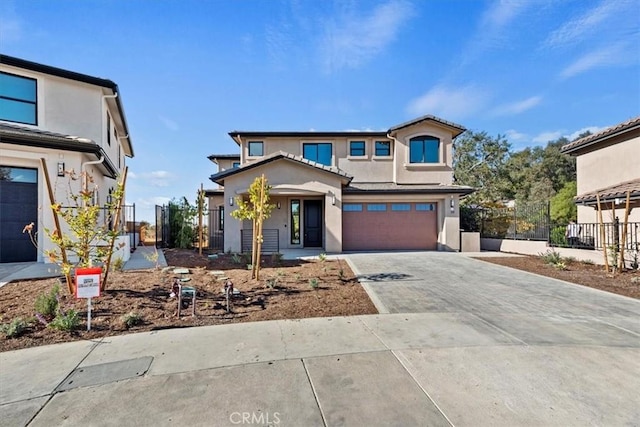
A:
x: 424, y: 149
x: 221, y: 218
x: 352, y: 207
x: 295, y: 222
x: 319, y: 152
x: 235, y: 165
x: 376, y: 207
x: 256, y: 148
x: 18, y: 99
x: 108, y: 129
x: 356, y: 148
x: 13, y: 174
x: 383, y: 148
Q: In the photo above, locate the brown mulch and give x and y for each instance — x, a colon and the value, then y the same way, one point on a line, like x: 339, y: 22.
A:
x: 283, y: 292
x: 625, y: 283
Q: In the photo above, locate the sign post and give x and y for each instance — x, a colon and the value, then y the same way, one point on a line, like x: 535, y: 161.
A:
x: 88, y: 286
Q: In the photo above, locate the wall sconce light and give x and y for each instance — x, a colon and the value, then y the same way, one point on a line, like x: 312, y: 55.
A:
x: 333, y: 199
x: 230, y: 201
x: 60, y: 168
x: 278, y: 205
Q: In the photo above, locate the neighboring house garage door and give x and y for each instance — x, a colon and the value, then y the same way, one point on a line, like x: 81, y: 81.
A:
x: 18, y: 207
x: 389, y: 226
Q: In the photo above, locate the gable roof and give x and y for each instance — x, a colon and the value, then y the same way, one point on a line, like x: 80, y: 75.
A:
x: 12, y: 134
x: 72, y: 75
x: 456, y: 128
x: 601, y: 137
x: 219, y: 177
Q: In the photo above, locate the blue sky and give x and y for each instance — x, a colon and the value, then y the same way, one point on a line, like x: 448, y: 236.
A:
x: 191, y: 71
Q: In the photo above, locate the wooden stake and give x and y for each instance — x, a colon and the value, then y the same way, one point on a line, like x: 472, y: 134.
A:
x: 602, y: 234
x: 260, y: 226
x: 116, y: 224
x: 624, y: 231
x: 56, y: 221
x: 200, y: 209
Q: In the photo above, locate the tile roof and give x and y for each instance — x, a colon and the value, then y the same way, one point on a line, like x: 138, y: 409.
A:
x: 459, y: 128
x: 277, y: 156
x: 383, y: 187
x: 19, y: 135
x: 605, y: 134
x: 607, y: 194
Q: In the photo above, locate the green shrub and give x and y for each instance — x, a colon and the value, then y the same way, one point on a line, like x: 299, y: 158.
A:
x: 117, y: 264
x: 322, y: 257
x: 313, y: 283
x: 47, y: 303
x: 15, y: 328
x: 587, y: 262
x: 551, y: 256
x: 66, y: 321
x: 558, y: 237
x: 131, y: 319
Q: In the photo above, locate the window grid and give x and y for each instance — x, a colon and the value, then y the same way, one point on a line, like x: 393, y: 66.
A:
x: 357, y: 148
x: 319, y: 152
x: 256, y: 148
x: 18, y: 99
x: 424, y: 149
x: 400, y: 207
x: 352, y: 207
x: 383, y: 148
x: 425, y: 207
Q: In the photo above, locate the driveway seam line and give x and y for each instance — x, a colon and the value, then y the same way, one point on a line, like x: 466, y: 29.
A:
x: 377, y: 302
x: 315, y: 394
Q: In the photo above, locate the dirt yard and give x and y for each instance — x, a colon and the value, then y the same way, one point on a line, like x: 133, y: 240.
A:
x: 287, y: 290
x: 626, y: 283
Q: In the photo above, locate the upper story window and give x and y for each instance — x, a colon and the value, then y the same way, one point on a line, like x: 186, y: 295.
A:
x: 424, y: 149
x: 383, y: 148
x: 256, y: 148
x: 18, y: 99
x: 108, y: 129
x: 319, y: 152
x: 356, y: 148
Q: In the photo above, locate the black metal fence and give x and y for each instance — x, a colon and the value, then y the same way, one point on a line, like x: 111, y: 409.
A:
x: 270, y: 240
x: 177, y: 227
x: 126, y: 223
x: 533, y: 222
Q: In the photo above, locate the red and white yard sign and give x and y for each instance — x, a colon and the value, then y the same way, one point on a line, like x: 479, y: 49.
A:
x: 88, y: 286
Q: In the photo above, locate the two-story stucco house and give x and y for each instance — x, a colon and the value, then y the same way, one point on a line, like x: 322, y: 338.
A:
x: 74, y: 122
x: 347, y: 191
x: 608, y: 166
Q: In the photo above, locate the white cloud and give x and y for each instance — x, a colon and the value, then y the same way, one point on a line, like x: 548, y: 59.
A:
x: 575, y: 29
x: 350, y: 41
x: 502, y: 13
x: 453, y: 103
x: 544, y: 137
x: 159, y: 178
x: 168, y: 123
x: 606, y: 56
x: 517, y: 107
x: 515, y: 136
x: 592, y: 129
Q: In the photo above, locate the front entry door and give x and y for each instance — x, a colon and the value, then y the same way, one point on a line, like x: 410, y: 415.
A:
x: 312, y: 223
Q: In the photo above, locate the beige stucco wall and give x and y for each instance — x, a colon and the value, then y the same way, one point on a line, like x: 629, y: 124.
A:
x: 407, y: 173
x: 288, y: 181
x: 606, y: 167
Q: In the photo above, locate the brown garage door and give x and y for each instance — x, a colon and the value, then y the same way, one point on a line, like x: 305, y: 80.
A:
x: 388, y: 226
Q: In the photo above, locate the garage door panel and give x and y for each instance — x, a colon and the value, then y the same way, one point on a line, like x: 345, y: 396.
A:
x: 389, y: 230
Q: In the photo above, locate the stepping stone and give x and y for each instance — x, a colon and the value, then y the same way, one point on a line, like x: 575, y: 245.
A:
x: 185, y: 279
x: 213, y: 256
x: 217, y: 272
x: 235, y: 291
x: 181, y: 271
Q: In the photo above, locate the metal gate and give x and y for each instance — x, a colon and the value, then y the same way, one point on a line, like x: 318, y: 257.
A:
x: 167, y: 229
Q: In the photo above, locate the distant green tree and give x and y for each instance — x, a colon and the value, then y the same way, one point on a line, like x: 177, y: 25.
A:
x: 181, y: 223
x: 478, y: 161
x: 563, y: 208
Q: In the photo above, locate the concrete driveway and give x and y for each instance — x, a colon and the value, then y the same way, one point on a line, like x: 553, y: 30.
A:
x: 499, y: 344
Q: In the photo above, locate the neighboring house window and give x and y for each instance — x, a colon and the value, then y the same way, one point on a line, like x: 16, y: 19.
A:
x: 295, y: 222
x: 108, y: 129
x: 352, y: 207
x: 18, y: 99
x: 400, y: 207
x: 376, y: 207
x: 425, y: 207
x: 356, y: 148
x: 319, y: 152
x: 383, y: 148
x: 235, y: 165
x: 424, y: 149
x: 256, y: 148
